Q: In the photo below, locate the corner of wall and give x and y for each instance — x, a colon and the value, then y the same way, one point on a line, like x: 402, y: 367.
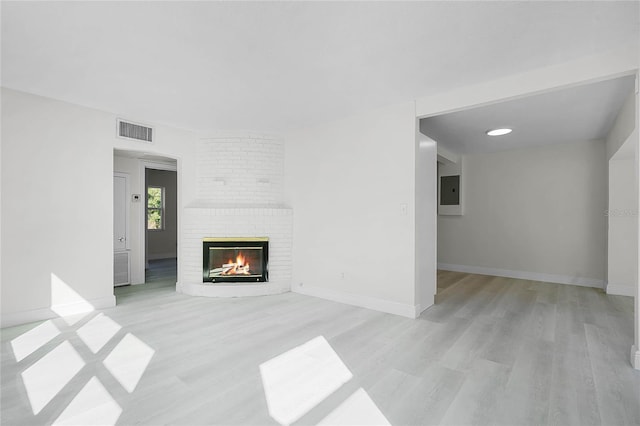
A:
x: 619, y: 290
x: 635, y: 357
x: 23, y: 317
x: 623, y: 127
x: 367, y: 302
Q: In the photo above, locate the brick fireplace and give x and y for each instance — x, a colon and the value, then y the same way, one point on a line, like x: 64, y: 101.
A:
x: 240, y: 193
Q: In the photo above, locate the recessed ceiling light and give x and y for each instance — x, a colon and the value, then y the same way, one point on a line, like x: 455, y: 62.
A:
x: 499, y: 132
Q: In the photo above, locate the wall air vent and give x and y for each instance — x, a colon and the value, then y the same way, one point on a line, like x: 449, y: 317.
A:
x: 129, y: 130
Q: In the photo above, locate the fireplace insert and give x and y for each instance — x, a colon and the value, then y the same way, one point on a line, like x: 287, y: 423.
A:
x: 235, y: 259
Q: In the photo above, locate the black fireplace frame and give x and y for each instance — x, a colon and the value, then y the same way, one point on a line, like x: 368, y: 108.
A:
x: 235, y: 242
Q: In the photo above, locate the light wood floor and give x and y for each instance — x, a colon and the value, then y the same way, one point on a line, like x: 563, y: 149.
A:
x: 491, y: 351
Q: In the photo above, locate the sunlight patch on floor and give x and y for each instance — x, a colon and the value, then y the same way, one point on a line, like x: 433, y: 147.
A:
x: 45, y: 379
x: 128, y: 361
x: 66, y: 302
x: 50, y: 374
x: 98, y: 331
x: 29, y: 342
x: 358, y: 409
x: 92, y: 405
x: 297, y: 380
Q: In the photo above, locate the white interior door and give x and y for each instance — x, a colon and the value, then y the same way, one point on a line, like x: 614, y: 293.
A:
x: 121, y: 259
x: 120, y: 212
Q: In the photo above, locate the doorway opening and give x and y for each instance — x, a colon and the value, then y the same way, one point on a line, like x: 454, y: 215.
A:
x: 512, y: 217
x: 152, y: 220
x: 161, y: 222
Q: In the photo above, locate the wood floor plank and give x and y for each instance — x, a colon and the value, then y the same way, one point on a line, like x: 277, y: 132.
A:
x: 493, y: 350
x: 477, y: 401
x: 526, y: 396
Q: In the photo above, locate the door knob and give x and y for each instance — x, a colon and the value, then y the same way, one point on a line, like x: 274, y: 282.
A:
x: 121, y: 239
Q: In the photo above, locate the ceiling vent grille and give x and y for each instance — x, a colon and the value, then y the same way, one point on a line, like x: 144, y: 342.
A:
x: 134, y: 131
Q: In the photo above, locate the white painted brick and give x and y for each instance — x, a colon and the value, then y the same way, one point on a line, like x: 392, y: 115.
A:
x: 238, y: 178
x: 244, y: 164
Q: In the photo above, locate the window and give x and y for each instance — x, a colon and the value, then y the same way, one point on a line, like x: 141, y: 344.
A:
x: 155, y: 207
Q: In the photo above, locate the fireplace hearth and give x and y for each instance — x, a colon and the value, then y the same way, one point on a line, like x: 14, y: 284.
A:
x: 236, y: 259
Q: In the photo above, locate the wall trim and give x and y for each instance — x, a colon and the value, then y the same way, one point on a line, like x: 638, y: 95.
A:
x: 25, y: 317
x: 419, y: 309
x: 534, y: 276
x: 373, y: 303
x: 620, y: 290
x: 635, y: 357
x: 233, y: 289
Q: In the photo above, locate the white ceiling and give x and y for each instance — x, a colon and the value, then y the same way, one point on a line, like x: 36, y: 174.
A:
x: 570, y: 115
x: 272, y: 66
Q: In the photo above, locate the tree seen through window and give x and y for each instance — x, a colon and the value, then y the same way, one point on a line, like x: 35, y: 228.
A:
x: 155, y: 207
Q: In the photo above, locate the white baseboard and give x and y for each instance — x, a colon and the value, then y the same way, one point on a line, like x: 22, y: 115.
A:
x: 620, y: 290
x: 233, y: 289
x: 421, y: 308
x: 534, y: 276
x: 635, y: 357
x: 390, y: 307
x: 24, y: 317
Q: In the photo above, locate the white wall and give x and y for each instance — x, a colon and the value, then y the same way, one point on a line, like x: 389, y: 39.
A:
x: 57, y: 204
x: 622, y: 128
x: 426, y: 221
x: 57, y: 210
x: 635, y: 139
x: 622, y: 217
x: 623, y: 260
x: 537, y: 213
x: 352, y: 186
